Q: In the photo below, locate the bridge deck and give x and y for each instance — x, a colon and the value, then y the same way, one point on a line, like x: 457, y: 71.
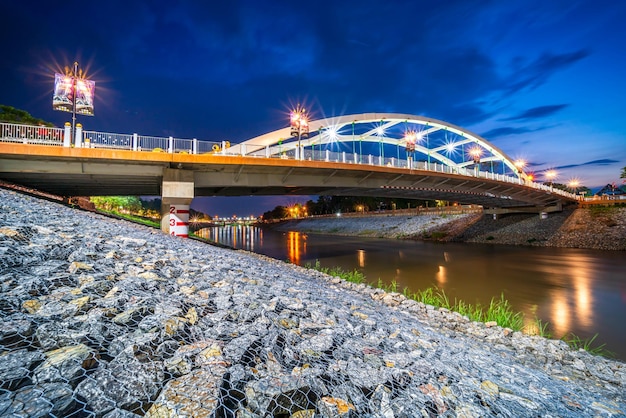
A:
x: 86, y: 171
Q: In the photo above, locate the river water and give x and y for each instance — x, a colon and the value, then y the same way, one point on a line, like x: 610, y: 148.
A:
x: 574, y: 290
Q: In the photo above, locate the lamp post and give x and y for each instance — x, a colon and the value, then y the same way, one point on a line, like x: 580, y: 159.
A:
x: 74, y: 82
x: 475, y: 153
x: 573, y: 184
x: 299, y: 127
x: 411, y: 138
x: 519, y: 164
x: 550, y: 176
x: 73, y: 93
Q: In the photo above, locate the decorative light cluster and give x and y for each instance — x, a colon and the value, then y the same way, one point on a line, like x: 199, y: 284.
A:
x: 299, y: 122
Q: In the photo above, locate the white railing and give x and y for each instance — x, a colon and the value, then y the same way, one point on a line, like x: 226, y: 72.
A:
x: 28, y: 134
x: 93, y: 139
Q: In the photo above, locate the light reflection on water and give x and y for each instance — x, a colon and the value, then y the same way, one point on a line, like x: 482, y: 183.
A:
x: 579, y: 291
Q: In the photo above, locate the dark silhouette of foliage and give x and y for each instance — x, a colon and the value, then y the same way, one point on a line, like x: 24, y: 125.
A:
x: 13, y: 115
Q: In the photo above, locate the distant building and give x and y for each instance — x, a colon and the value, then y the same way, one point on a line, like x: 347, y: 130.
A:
x: 611, y: 190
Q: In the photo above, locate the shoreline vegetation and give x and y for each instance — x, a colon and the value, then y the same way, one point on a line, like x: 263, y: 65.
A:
x: 498, y: 313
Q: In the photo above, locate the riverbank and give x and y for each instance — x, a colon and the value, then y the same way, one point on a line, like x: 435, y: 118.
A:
x: 106, y: 318
x: 602, y: 228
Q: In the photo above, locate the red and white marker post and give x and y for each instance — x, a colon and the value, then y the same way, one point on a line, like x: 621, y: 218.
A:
x: 179, y: 220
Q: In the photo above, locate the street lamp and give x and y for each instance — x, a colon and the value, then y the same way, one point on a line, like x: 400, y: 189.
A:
x: 520, y: 166
x: 411, y: 138
x: 475, y: 153
x: 73, y: 93
x: 299, y: 126
x: 550, y: 176
x: 573, y: 184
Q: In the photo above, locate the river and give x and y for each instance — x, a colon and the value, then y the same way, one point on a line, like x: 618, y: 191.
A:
x: 574, y: 290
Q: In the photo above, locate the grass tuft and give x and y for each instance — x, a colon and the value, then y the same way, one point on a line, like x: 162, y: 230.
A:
x: 577, y: 343
x: 353, y: 276
x: 499, y: 310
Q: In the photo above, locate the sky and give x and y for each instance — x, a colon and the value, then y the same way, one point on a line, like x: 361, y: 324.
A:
x: 542, y: 80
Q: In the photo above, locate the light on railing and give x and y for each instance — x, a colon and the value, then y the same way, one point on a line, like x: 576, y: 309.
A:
x: 550, y: 175
x: 475, y: 153
x: 411, y: 138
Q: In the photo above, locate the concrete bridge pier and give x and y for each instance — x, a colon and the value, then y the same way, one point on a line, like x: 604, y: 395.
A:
x: 177, y: 192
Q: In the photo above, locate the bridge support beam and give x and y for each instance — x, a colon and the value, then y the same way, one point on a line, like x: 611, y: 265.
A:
x: 177, y: 192
x: 543, y: 211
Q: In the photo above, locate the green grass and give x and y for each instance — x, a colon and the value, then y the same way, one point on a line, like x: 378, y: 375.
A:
x: 498, y: 310
x: 602, y: 210
x: 576, y: 343
x: 353, y: 276
x: 133, y: 218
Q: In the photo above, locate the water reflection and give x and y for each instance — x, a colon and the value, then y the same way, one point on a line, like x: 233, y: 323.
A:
x: 560, y: 315
x: 441, y: 276
x: 572, y: 290
x: 245, y: 237
x: 296, y: 242
x: 571, y: 298
x: 361, y: 257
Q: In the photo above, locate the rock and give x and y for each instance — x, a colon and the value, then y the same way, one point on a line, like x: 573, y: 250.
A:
x: 282, y: 394
x: 66, y: 364
x: 39, y: 401
x: 15, y: 328
x: 195, y: 394
x: 123, y: 382
x: 76, y: 266
x: 15, y: 367
x: 329, y: 407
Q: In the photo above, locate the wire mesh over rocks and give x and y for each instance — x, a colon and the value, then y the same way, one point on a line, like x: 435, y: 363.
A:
x: 102, y: 318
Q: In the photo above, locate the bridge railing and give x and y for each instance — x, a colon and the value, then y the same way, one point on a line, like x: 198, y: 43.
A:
x: 29, y: 134
x: 93, y: 139
x: 20, y: 133
x: 151, y: 143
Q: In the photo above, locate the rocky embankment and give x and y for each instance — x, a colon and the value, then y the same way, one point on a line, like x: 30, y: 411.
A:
x: 602, y: 228
x: 105, y: 318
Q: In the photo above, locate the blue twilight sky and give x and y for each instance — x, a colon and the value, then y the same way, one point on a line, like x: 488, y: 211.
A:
x: 543, y: 80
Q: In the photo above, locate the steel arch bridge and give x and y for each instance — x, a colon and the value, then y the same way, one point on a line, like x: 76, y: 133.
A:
x: 386, y: 139
x: 372, y: 154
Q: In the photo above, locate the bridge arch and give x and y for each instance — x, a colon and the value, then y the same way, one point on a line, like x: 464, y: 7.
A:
x: 381, y: 137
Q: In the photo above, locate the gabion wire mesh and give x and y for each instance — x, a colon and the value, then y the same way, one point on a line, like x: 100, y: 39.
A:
x: 101, y: 318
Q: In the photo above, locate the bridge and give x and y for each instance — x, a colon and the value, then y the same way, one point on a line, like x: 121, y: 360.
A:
x: 382, y: 155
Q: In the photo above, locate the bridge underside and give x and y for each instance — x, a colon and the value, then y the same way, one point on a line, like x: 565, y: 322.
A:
x: 88, y: 172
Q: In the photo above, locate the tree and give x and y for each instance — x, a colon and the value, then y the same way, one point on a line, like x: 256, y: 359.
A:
x: 128, y: 204
x: 13, y: 115
x: 623, y: 175
x: 277, y: 213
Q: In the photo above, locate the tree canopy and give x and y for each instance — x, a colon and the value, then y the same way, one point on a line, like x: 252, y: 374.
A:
x: 333, y: 204
x: 13, y: 115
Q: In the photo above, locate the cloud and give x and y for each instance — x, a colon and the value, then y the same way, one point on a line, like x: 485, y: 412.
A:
x: 602, y: 163
x: 539, y: 71
x: 506, y: 131
x: 537, y: 112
